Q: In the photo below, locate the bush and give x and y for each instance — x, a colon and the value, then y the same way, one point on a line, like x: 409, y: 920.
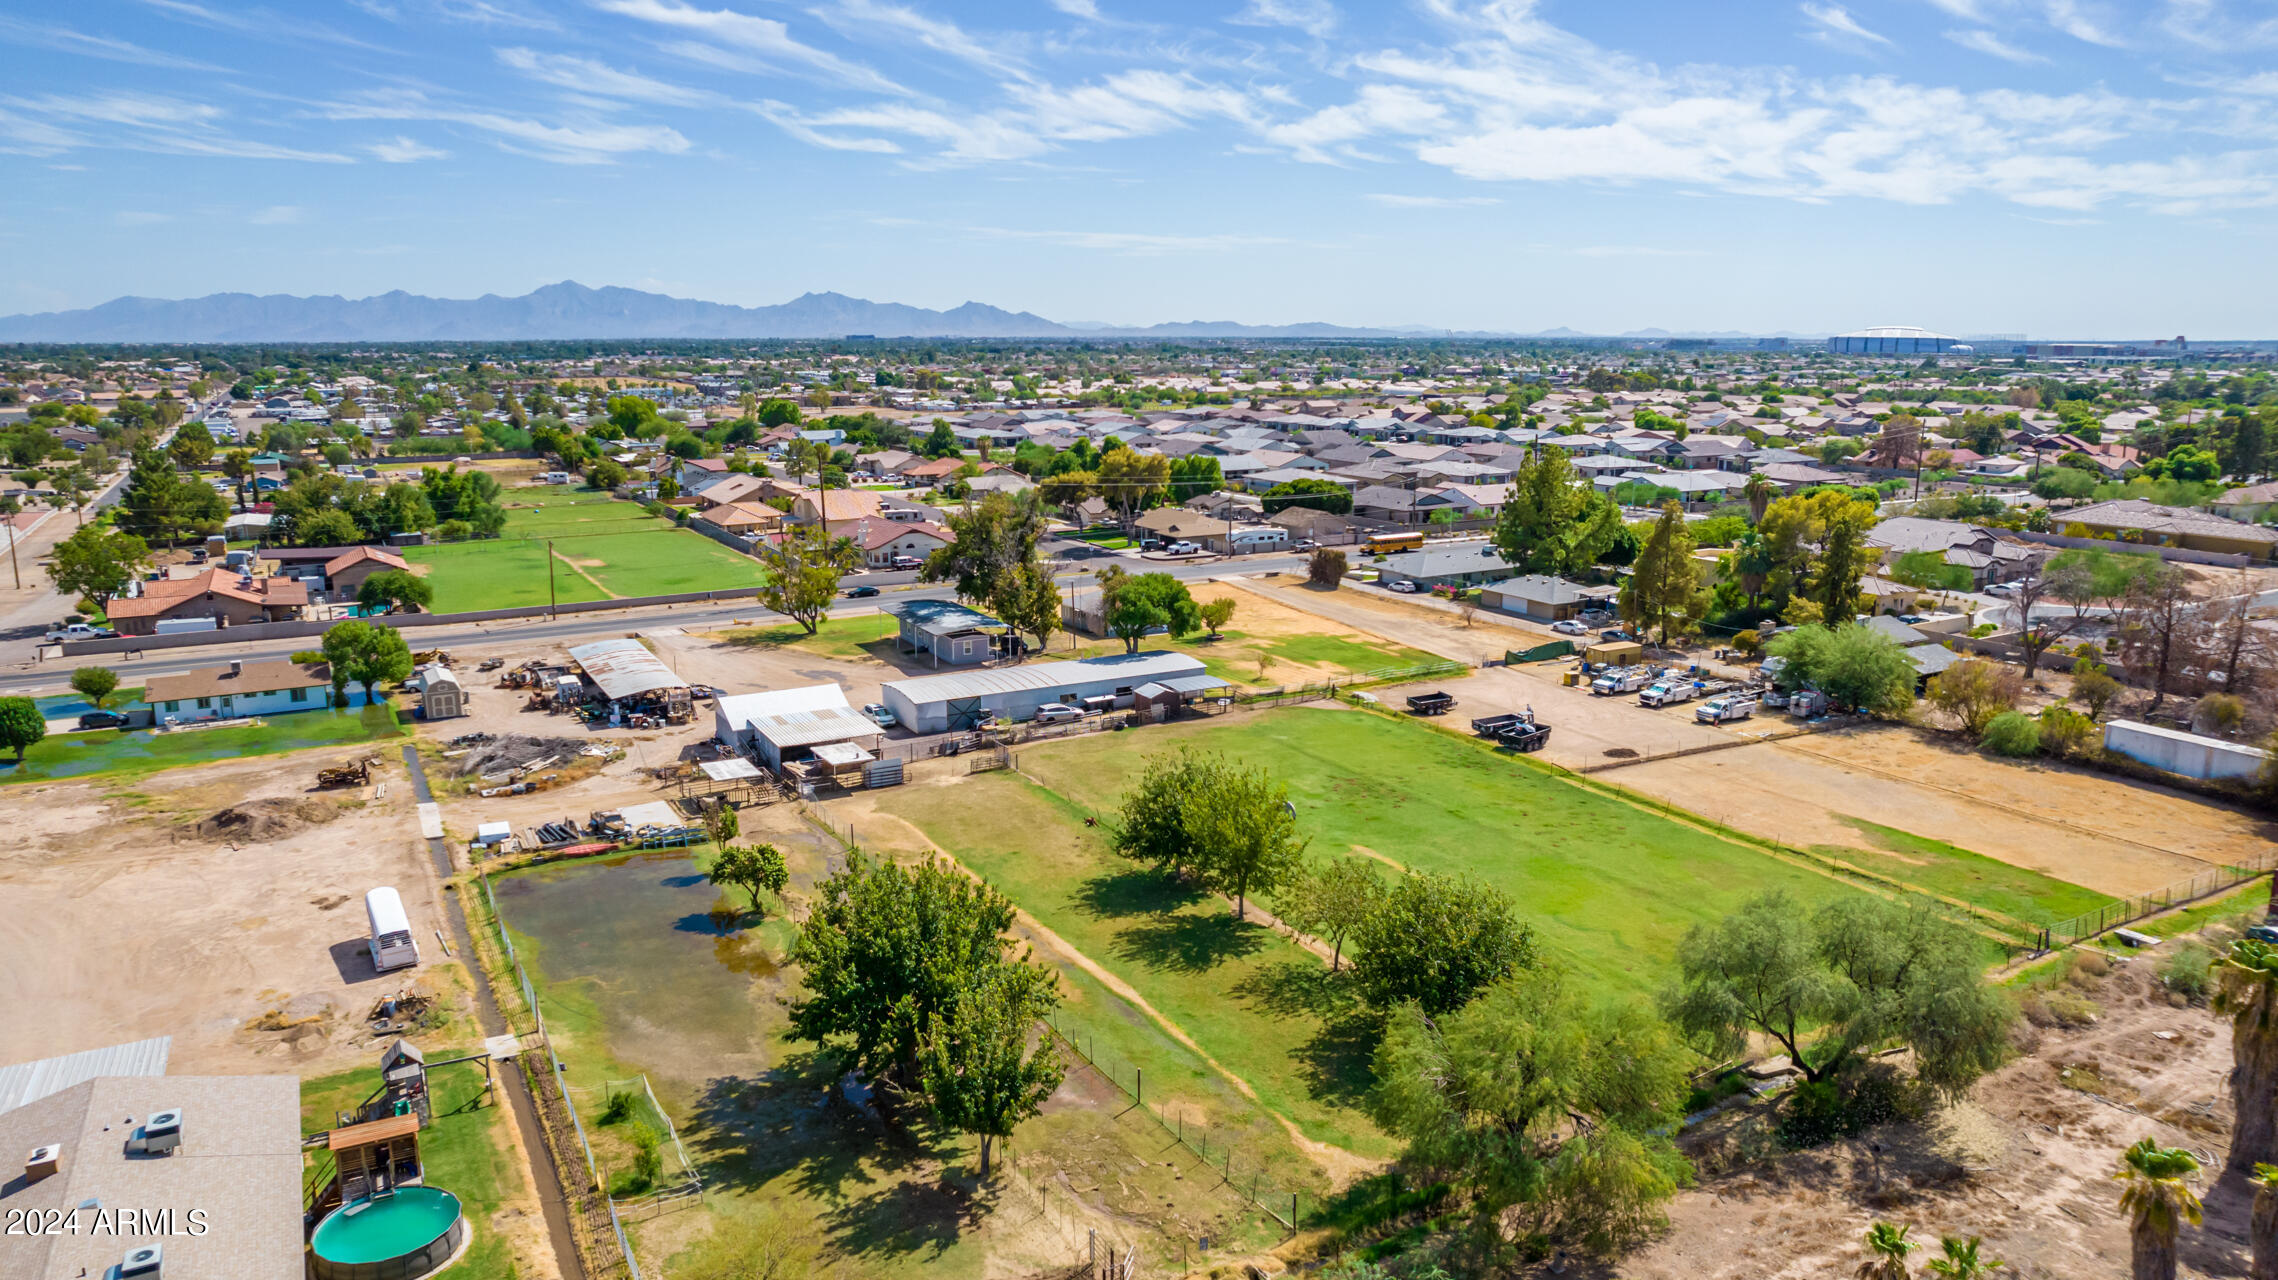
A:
x: 1326, y: 568
x: 2013, y: 733
x: 1750, y: 642
x: 2064, y: 731
x: 648, y: 1161
x: 618, y: 1108
x: 1848, y: 1105
x: 2188, y: 971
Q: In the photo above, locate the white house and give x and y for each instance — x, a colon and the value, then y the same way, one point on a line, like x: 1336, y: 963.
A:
x: 237, y: 690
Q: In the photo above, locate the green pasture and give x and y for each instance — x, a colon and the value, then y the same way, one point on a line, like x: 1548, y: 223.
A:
x: 603, y: 548
x: 126, y: 754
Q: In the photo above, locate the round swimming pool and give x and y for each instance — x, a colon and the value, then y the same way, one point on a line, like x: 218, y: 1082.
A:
x: 396, y: 1237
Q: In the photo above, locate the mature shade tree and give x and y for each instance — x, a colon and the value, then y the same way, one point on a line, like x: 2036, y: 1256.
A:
x: 1135, y: 604
x: 1974, y: 691
x: 192, y: 445
x: 1853, y: 666
x: 1548, y: 1112
x: 395, y: 589
x: 1436, y: 940
x: 96, y: 684
x: 2157, y: 1197
x: 364, y: 654
x: 1151, y: 823
x: 1026, y: 599
x: 1326, y: 567
x: 990, y: 539
x: 96, y: 564
x: 1860, y: 972
x: 158, y: 505
x: 755, y: 869
x: 2246, y: 992
x: 1067, y: 489
x: 941, y: 442
x: 1843, y: 557
x: 1663, y: 590
x: 21, y: 725
x: 886, y: 950
x: 1244, y: 833
x: 1330, y: 899
x: 977, y: 1067
x: 1318, y: 495
x: 804, y: 568
x: 2158, y: 625
x: 330, y: 527
x: 1549, y: 524
x: 1131, y: 481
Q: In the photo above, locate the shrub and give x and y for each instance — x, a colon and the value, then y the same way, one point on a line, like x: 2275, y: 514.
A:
x: 1848, y: 1105
x: 1749, y: 642
x: 2219, y: 713
x: 2071, y: 1010
x: 619, y: 1107
x: 2064, y: 731
x: 648, y: 1162
x: 2188, y: 971
x: 2013, y: 733
x: 1977, y: 693
x: 1326, y: 568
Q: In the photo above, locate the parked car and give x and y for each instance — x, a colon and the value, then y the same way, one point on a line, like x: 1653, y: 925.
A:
x: 2002, y: 589
x: 1569, y: 627
x: 102, y: 720
x: 1722, y: 710
x: 1404, y: 587
x: 1057, y: 712
x: 1615, y: 633
x: 79, y: 631
x: 907, y: 562
x: 1181, y: 548
x: 878, y: 712
x: 861, y: 593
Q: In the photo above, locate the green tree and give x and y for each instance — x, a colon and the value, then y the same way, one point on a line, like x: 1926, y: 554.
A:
x: 1027, y: 600
x: 1136, y: 604
x: 96, y: 563
x: 1664, y: 589
x: 1843, y: 557
x: 1928, y: 571
x: 159, y: 506
x: 21, y: 725
x: 1319, y: 495
x: 1549, y: 523
x: 330, y: 527
x: 1861, y: 972
x: 1974, y: 691
x: 803, y: 570
x: 1544, y: 1110
x: 752, y: 868
x: 990, y: 540
x: 1326, y: 567
x: 941, y: 442
x: 1331, y: 899
x: 2246, y: 992
x: 885, y: 951
x: 779, y: 412
x: 1437, y: 940
x: 1853, y: 666
x: 979, y: 1073
x: 96, y: 684
x: 1244, y: 834
x: 2157, y: 1197
x: 1886, y: 1248
x: 387, y: 659
x: 361, y: 653
x: 1151, y: 825
x: 192, y: 445
x: 1131, y: 481
x: 1217, y: 613
x: 393, y: 589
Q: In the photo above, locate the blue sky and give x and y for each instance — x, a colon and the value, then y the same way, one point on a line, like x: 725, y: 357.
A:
x: 2056, y: 167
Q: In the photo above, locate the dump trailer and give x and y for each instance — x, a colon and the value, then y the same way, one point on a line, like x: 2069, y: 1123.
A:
x: 1526, y: 735
x: 1435, y: 703
x: 1493, y: 726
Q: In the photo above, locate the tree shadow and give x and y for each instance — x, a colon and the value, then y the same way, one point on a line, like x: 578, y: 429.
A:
x: 1188, y: 942
x: 1136, y: 892
x: 1336, y: 1061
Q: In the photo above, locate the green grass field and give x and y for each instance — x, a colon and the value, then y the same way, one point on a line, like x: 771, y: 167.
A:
x: 1610, y: 888
x: 1957, y: 873
x: 465, y: 1150
x: 603, y: 548
x: 126, y: 754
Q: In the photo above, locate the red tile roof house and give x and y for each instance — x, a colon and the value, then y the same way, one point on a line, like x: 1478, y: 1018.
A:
x: 345, y: 573
x: 218, y: 594
x: 882, y: 540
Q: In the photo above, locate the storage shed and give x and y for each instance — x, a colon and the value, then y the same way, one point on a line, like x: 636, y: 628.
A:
x: 440, y: 697
x: 1158, y: 699
x: 1615, y: 653
x: 968, y: 699
x: 2188, y: 754
x: 789, y: 724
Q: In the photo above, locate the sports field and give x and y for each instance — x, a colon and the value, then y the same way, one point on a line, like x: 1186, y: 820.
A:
x: 603, y: 549
x: 1609, y: 886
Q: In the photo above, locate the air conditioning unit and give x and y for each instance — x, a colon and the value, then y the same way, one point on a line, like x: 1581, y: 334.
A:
x: 162, y: 1132
x: 44, y: 1162
x: 142, y: 1263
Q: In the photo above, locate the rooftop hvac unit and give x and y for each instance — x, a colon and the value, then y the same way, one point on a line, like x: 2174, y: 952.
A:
x: 142, y: 1263
x: 44, y: 1162
x: 162, y: 1132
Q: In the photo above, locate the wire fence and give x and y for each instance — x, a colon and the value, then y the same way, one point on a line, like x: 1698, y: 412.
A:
x: 2126, y: 911
x: 561, y: 1090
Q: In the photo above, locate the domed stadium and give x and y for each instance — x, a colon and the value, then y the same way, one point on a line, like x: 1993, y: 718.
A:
x: 1893, y: 340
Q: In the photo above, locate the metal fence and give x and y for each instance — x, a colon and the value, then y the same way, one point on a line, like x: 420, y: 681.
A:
x: 561, y: 1087
x: 2114, y: 915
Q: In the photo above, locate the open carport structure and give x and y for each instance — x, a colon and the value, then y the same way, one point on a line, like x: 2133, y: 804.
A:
x: 633, y: 679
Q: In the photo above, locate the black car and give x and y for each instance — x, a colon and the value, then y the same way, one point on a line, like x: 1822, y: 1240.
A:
x: 102, y: 720
x: 1616, y: 634
x: 861, y: 593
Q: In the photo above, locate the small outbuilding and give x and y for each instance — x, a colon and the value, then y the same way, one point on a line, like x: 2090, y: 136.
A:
x: 2188, y: 754
x: 968, y: 699
x: 440, y: 695
x: 781, y: 725
x: 633, y: 679
x: 947, y: 631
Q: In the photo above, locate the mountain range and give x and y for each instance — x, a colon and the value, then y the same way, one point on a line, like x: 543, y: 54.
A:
x: 571, y: 311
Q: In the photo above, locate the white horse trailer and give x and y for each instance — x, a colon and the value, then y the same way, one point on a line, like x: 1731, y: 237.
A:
x: 392, y: 943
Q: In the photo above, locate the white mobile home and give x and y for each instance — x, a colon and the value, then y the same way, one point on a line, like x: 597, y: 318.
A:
x: 392, y: 944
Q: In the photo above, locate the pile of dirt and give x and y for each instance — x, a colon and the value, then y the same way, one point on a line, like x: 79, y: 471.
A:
x: 259, y: 820
x: 510, y: 751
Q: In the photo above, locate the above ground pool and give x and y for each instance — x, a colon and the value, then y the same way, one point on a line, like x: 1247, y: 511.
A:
x: 394, y: 1237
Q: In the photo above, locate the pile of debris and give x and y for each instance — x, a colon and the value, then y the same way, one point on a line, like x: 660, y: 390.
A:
x: 566, y: 831
x: 254, y: 821
x: 505, y: 757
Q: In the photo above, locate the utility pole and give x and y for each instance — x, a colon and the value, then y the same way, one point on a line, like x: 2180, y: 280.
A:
x: 550, y: 601
x: 8, y: 517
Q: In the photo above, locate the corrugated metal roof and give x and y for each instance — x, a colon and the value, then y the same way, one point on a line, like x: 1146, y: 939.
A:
x: 624, y: 668
x: 807, y: 728
x: 1123, y: 668
x: 729, y: 770
x: 939, y: 617
x: 1195, y: 684
x: 32, y: 1081
x: 738, y: 710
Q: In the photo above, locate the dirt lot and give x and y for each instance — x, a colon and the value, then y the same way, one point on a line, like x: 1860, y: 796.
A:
x: 120, y: 918
x: 2104, y: 833
x: 2025, y: 1162
x: 1416, y: 623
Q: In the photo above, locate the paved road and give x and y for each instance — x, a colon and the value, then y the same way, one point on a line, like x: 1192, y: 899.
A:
x: 26, y: 678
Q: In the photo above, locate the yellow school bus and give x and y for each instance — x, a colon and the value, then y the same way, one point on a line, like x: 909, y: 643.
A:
x: 1386, y: 543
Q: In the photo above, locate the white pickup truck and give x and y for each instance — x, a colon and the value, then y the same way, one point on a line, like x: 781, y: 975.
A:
x: 1666, y: 693
x: 1725, y: 709
x: 78, y: 631
x: 1620, y: 680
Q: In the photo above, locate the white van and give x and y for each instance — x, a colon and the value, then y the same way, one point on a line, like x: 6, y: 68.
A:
x: 392, y: 944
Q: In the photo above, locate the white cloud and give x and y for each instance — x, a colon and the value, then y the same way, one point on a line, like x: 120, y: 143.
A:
x: 867, y: 19
x: 1316, y: 18
x: 1399, y: 200
x: 152, y: 123
x: 65, y: 40
x: 2079, y: 22
x: 585, y: 75
x: 1986, y: 42
x: 276, y: 215
x: 403, y: 150
x: 770, y: 40
x: 1966, y: 10
x: 583, y: 140
x: 1835, y: 25
x: 1085, y: 9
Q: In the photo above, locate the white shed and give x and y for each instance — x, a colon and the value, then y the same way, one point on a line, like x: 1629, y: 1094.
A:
x: 780, y: 723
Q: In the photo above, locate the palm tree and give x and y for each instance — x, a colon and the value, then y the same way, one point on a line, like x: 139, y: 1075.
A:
x: 1887, y: 1247
x: 1759, y: 493
x: 2262, y: 1228
x: 2247, y: 993
x: 2158, y: 1202
x: 1962, y: 1261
